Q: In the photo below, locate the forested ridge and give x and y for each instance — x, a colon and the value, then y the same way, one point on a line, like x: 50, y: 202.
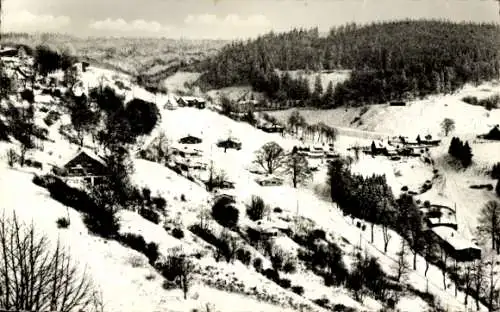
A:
x: 389, y: 61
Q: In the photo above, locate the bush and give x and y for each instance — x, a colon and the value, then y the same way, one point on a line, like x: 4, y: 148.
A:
x: 278, y: 210
x: 495, y: 171
x: 244, y: 256
x: 102, y: 222
x: 257, y: 264
x: 150, y: 215
x: 138, y: 243
x: 183, y: 197
x: 322, y: 302
x: 299, y: 290
x: 224, y: 213
x: 178, y: 233
x: 160, y: 203
x: 285, y: 283
x: 256, y: 209
x: 470, y: 100
x: 278, y: 259
x: 28, y: 96
x: 318, y: 234
x: 63, y: 223
x: 290, y: 266
x: 44, y: 181
x: 404, y: 188
x: 272, y: 275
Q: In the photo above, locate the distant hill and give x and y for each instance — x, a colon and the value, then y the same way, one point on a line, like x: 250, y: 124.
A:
x: 152, y: 58
x: 389, y: 60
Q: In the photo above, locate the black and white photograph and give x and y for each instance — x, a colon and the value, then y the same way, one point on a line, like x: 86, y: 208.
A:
x: 249, y: 155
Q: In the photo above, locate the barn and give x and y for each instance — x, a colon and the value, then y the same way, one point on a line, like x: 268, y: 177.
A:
x: 455, y: 245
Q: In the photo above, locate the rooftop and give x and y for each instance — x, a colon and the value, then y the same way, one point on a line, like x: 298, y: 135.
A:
x: 453, y: 238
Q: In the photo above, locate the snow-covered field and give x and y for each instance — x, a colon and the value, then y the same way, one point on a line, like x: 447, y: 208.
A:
x: 418, y: 117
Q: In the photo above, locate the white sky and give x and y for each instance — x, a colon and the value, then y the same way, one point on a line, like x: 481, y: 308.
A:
x: 226, y: 19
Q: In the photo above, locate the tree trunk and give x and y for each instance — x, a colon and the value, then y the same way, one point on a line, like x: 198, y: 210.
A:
x: 415, y: 260
x: 373, y: 225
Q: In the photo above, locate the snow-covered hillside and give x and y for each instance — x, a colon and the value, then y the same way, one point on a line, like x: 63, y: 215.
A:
x: 417, y: 117
x: 130, y: 284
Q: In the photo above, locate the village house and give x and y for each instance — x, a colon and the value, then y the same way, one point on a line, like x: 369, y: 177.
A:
x: 190, y: 139
x: 439, y: 215
x: 191, y: 101
x: 455, y: 245
x: 271, y: 128
x: 271, y: 228
x: 185, y: 151
x: 84, y: 168
x: 171, y: 103
x: 269, y: 180
x: 229, y: 143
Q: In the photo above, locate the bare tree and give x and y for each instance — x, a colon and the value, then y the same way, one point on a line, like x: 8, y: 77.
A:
x: 296, y: 121
x: 402, y: 266
x: 36, y: 278
x: 11, y: 157
x: 489, y: 223
x: 428, y: 252
x: 162, y: 147
x: 467, y: 283
x: 298, y: 168
x: 448, y: 125
x: 179, y: 268
x: 492, y: 285
x: 386, y: 219
x: 270, y: 157
x: 478, y: 279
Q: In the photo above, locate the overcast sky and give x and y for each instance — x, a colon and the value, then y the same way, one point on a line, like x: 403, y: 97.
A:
x: 225, y: 19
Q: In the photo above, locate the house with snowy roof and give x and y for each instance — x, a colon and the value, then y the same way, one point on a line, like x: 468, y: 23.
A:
x: 456, y: 245
x: 85, y: 167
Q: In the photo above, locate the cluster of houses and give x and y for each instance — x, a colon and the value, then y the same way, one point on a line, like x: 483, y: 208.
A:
x: 398, y: 146
x: 317, y: 151
x: 185, y: 101
x: 442, y: 224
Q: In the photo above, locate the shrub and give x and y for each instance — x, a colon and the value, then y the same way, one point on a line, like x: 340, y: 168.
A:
x: 183, y: 197
x: 290, y: 266
x: 28, y: 96
x: 137, y: 242
x: 150, y: 215
x: 257, y: 264
x: 159, y: 202
x: 256, y: 209
x: 299, y: 290
x: 102, y: 222
x: 285, y: 283
x: 277, y: 259
x: 278, y: 210
x: 271, y: 274
x: 146, y: 194
x: 178, y: 233
x: 63, y: 223
x: 244, y: 256
x: 224, y: 213
x: 495, y: 171
x: 470, y: 100
x: 322, y: 302
x: 318, y: 234
x: 404, y: 188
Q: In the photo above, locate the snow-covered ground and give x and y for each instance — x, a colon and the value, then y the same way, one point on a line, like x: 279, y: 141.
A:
x: 129, y: 283
x: 417, y: 117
